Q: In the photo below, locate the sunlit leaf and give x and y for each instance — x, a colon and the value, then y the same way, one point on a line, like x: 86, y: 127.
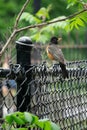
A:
x: 42, y: 13
x: 54, y: 126
x: 83, y: 16
x: 69, y: 5
x: 24, y: 16
x: 30, y: 18
x: 42, y: 123
x: 18, y: 120
x: 28, y: 117
x: 76, y: 26
x: 35, y: 118
x: 78, y: 3
x: 47, y: 126
x: 80, y: 22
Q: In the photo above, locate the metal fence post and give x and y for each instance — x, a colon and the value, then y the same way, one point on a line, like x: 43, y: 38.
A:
x: 23, y: 47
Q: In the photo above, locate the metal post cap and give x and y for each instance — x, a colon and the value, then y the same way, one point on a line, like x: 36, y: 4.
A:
x: 24, y: 40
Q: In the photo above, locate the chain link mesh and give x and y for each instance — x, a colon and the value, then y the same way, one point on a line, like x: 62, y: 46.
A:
x: 63, y: 101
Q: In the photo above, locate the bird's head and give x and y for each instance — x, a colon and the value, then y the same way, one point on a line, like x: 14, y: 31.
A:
x: 55, y: 40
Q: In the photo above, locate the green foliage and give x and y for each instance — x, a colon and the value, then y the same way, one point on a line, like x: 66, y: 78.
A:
x: 26, y: 120
x: 43, y: 12
x: 43, y: 34
x: 30, y: 18
x: 37, y: 34
x: 57, y: 9
x: 78, y: 3
x: 77, y: 21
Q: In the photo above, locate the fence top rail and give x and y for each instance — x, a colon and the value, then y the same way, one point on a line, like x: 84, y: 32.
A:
x: 76, y: 69
x: 80, y: 46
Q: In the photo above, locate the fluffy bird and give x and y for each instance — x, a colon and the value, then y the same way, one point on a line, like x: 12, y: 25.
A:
x: 55, y: 53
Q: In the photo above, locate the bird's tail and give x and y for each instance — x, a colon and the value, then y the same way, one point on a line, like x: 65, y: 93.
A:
x: 64, y: 71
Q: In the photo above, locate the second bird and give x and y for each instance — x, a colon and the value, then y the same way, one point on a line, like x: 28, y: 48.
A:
x: 55, y: 53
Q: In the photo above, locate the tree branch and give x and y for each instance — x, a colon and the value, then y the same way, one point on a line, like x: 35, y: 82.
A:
x: 51, y: 22
x: 20, y: 13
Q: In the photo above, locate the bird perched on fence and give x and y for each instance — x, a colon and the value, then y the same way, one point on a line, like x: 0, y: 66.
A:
x: 55, y: 53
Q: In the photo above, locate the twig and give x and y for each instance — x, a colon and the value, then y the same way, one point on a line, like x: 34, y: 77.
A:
x: 20, y: 13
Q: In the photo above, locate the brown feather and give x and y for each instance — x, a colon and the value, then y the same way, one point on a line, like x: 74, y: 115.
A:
x: 56, y: 53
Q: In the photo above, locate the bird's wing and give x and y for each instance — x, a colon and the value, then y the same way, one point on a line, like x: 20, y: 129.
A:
x: 57, y: 53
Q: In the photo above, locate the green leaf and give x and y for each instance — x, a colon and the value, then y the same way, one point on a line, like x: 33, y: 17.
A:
x: 69, y: 5
x: 18, y: 120
x: 80, y: 22
x: 29, y: 18
x: 42, y: 13
x: 44, y: 120
x: 28, y: 117
x: 33, y: 20
x: 41, y: 123
x: 78, y: 3
x: 24, y: 16
x: 47, y: 125
x: 54, y: 126
x: 75, y: 22
x: 9, y: 119
x: 60, y: 24
x: 76, y: 26
x: 83, y: 16
x: 72, y: 25
x: 35, y: 118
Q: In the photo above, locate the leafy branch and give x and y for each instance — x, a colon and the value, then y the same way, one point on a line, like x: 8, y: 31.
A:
x: 17, y: 30
x: 50, y: 22
x: 26, y: 120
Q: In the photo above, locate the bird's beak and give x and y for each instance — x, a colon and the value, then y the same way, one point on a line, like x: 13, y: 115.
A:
x: 59, y: 39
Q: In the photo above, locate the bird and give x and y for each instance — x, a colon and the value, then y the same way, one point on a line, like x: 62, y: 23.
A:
x: 54, y: 53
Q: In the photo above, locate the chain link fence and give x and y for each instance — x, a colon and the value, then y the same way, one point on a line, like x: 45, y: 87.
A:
x: 42, y: 90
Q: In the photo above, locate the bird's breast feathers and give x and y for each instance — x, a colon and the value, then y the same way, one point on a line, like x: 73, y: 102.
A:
x: 55, y: 53
x: 50, y: 55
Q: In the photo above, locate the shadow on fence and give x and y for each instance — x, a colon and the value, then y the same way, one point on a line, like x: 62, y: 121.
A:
x: 42, y: 91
